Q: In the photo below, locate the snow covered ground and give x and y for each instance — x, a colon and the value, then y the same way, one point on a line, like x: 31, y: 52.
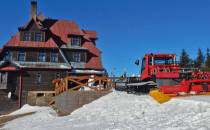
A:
x: 121, y: 111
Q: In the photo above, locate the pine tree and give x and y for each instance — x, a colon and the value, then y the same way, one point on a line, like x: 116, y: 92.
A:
x: 184, y: 59
x: 200, y: 59
x: 207, y: 63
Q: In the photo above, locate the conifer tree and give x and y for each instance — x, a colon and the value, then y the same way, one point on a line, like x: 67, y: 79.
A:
x: 184, y: 59
x: 200, y: 59
x: 207, y: 63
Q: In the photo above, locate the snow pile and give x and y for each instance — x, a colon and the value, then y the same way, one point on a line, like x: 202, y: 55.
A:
x: 42, y: 115
x: 121, y: 111
x: 28, y: 109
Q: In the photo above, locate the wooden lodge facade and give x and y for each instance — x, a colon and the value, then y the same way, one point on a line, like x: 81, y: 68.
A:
x: 42, y: 50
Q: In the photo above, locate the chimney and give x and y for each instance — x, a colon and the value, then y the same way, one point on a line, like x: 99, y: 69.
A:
x: 33, y: 9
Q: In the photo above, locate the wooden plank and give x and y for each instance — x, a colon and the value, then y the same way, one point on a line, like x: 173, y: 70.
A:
x: 63, y: 84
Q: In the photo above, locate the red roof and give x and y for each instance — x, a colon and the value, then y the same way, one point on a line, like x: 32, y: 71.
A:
x: 64, y: 28
x: 16, y: 42
x: 94, y: 63
x: 8, y: 68
x: 91, y: 33
x: 91, y: 48
x: 60, y: 30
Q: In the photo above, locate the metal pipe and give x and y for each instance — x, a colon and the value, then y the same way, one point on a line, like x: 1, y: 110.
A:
x: 20, y: 90
x: 152, y: 60
x: 174, y: 60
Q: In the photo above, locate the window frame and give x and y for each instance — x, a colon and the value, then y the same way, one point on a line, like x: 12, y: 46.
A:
x: 57, y: 75
x: 3, y: 76
x: 76, y: 41
x: 163, y: 61
x: 52, y: 54
x: 8, y: 54
x: 76, y: 57
x: 18, y: 56
x: 37, y: 35
x: 143, y: 64
x: 38, y: 78
x: 27, y: 37
x: 34, y: 36
x: 38, y: 57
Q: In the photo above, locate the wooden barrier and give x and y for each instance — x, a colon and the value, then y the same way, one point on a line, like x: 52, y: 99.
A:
x: 75, y: 83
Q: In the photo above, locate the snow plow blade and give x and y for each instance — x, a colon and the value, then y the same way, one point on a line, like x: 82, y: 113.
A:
x: 159, y: 96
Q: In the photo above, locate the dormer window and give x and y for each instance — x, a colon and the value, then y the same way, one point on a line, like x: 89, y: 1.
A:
x: 27, y: 36
x: 37, y: 36
x: 76, y: 41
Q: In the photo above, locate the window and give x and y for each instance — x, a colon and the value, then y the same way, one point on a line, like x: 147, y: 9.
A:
x: 27, y: 36
x: 163, y: 61
x: 3, y: 77
x: 76, y: 41
x: 33, y: 36
x: 21, y: 56
x: 8, y: 55
x: 41, y: 57
x: 143, y: 65
x: 39, y: 78
x: 38, y: 36
x: 76, y: 57
x: 54, y: 57
x: 57, y: 76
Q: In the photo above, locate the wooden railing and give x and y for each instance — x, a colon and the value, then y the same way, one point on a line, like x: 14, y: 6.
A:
x: 75, y: 83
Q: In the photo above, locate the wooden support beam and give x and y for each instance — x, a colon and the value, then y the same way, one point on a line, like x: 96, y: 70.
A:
x: 62, y: 85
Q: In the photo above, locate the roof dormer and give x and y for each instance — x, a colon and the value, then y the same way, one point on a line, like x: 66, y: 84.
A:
x: 32, y: 31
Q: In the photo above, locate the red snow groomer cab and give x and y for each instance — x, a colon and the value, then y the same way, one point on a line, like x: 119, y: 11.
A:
x: 158, y: 67
x: 156, y: 70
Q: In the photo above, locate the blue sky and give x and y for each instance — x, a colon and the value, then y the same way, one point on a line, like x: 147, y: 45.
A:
x: 127, y: 29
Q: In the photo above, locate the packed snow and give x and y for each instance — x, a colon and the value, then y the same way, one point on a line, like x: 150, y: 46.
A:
x: 121, y: 111
x: 28, y: 109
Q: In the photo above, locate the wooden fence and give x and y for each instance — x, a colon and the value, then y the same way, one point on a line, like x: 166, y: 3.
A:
x: 75, y: 83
